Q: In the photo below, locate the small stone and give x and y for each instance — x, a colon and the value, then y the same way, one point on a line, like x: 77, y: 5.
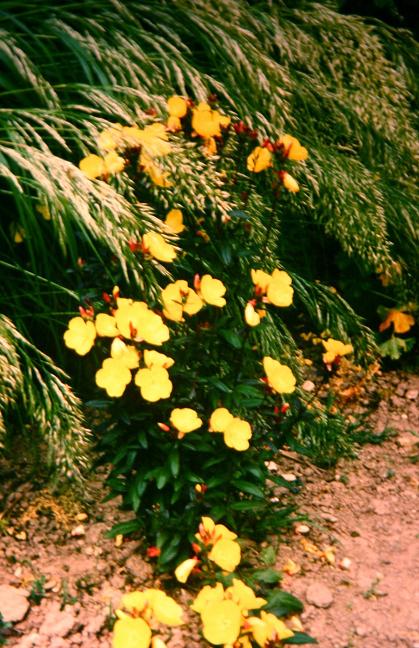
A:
x: 14, y: 604
x: 361, y: 631
x: 319, y: 595
x: 345, y: 563
x: 81, y: 517
x: 412, y: 394
x: 302, y: 529
x: 308, y: 386
x: 289, y: 477
x: 78, y: 531
x: 329, y: 518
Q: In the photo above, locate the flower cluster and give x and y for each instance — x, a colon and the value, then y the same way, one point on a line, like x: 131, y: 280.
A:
x: 279, y: 377
x: 178, y: 298
x: 215, y: 543
x: 334, y: 351
x: 265, y: 156
x: 130, y: 323
x: 151, y: 142
x: 225, y: 617
x: 141, y: 614
x: 206, y: 122
x: 236, y: 431
x: 273, y: 289
x: 226, y: 612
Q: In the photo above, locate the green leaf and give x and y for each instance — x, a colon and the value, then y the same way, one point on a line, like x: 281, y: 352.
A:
x: 232, y: 338
x: 124, y: 528
x: 282, y: 603
x: 395, y: 347
x: 268, y: 576
x: 174, y: 462
x: 268, y: 555
x: 247, y: 487
x: 300, y: 638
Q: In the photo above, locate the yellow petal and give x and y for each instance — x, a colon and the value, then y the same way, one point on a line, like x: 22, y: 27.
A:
x: 221, y: 622
x: 106, y: 325
x: 280, y: 377
x: 174, y: 221
x: 158, y: 247
x: 259, y: 159
x: 185, y: 419
x: 184, y: 570
x: 402, y: 322
x: 131, y: 633
x: 237, y: 434
x: 92, y: 166
x: 290, y: 183
x: 177, y: 106
x: 212, y: 290
x: 220, y: 419
x: 292, y: 148
x: 114, y: 163
x: 80, y: 335
x: 251, y: 317
x: 226, y: 554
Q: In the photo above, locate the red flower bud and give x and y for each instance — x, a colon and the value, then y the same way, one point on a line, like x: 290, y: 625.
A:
x: 153, y: 552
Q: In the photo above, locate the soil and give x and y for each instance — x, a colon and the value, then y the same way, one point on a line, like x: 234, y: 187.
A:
x: 355, y: 558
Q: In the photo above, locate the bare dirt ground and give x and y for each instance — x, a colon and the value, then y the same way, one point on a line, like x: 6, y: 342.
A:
x: 356, y: 559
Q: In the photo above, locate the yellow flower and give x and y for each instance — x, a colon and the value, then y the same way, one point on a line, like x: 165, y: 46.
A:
x: 134, y: 601
x: 206, y: 596
x: 157, y: 642
x: 244, y: 596
x: 335, y: 348
x: 210, y: 147
x: 173, y: 124
x: 92, y: 166
x: 226, y: 554
x: 259, y: 159
x: 177, y: 106
x: 184, y: 570
x: 154, y: 383
x: 220, y: 419
x: 125, y: 353
x: 237, y: 434
x: 131, y: 633
x: 178, y: 298
x: 165, y: 609
x: 106, y: 325
x: 185, y: 420
x: 153, y: 139
x: 158, y: 247
x: 137, y: 322
x: 402, y: 322
x: 212, y: 290
x: 159, y: 178
x: 280, y: 377
x: 292, y: 148
x: 261, y: 279
x: 43, y: 209
x: 114, y: 376
x: 207, y: 122
x: 209, y: 532
x: 268, y: 629
x: 174, y: 221
x: 289, y: 182
x: 114, y: 163
x: 250, y: 315
x: 279, y: 291
x: 109, y: 138
x: 155, y: 359
x: 80, y: 335
x: 221, y: 622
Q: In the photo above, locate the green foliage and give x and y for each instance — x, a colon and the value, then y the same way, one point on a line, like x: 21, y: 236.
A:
x: 343, y: 86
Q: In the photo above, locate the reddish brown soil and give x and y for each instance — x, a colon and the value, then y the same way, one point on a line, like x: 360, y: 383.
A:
x: 365, y: 509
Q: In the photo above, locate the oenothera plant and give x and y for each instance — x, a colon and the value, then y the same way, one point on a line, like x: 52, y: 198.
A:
x: 231, y: 612
x: 197, y: 375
